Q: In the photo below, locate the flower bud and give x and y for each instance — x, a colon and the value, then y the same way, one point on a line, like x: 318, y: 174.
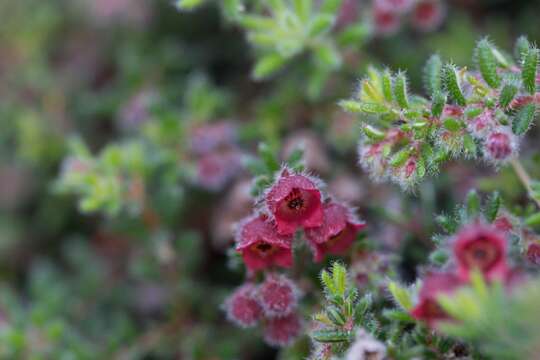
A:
x: 242, y: 306
x: 500, y: 146
x: 282, y: 331
x: 278, y: 296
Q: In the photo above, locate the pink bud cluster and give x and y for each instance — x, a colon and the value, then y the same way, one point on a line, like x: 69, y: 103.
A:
x: 272, y: 303
x: 500, y: 144
x: 373, y: 160
x: 295, y: 201
x: 476, y: 247
x: 216, y: 153
x: 423, y: 15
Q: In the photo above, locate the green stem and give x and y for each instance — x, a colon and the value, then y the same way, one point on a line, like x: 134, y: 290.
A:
x: 524, y: 178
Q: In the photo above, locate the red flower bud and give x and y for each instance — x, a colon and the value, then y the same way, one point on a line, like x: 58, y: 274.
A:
x: 282, y: 331
x: 260, y: 244
x: 242, y: 307
x: 278, y: 296
x: 500, y: 146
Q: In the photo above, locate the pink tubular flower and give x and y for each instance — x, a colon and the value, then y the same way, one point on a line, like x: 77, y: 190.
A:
x: 428, y: 308
x: 386, y: 22
x: 533, y: 253
x: 398, y: 6
x: 215, y: 170
x: 481, y: 247
x: 428, y: 15
x: 278, y: 296
x: 337, y: 232
x: 260, y: 244
x: 282, y: 331
x: 209, y: 137
x: 294, y: 201
x: 242, y: 306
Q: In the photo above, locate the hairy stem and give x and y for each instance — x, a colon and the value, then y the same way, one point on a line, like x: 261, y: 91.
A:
x: 524, y: 178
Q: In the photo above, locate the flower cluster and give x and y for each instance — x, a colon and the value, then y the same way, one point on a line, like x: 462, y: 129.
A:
x: 423, y: 15
x: 477, y: 247
x: 217, y: 156
x: 295, y: 201
x: 406, y: 137
x: 272, y: 303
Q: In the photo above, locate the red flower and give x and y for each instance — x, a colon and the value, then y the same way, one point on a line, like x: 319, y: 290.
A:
x: 337, y: 232
x: 481, y: 247
x: 294, y: 201
x: 428, y: 308
x: 242, y: 306
x: 428, y: 15
x: 533, y: 253
x: 278, y: 296
x: 397, y: 6
x: 282, y: 331
x: 386, y: 21
x: 260, y: 244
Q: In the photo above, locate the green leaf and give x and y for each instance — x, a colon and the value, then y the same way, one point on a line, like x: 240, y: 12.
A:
x: 508, y: 93
x: 268, y: 65
x: 439, y: 257
x: 268, y: 157
x: 448, y: 223
x: 452, y: 124
x: 469, y: 145
x: 487, y: 63
x: 386, y: 80
x: 370, y: 108
x: 400, y: 157
x: 302, y: 8
x: 433, y: 74
x: 328, y: 282
x: 523, y: 119
x: 373, y: 133
x: 339, y: 274
x: 335, y: 315
x: 521, y: 48
x: 327, y: 56
x: 321, y: 24
x: 473, y: 204
x: 533, y: 220
x: 437, y: 103
x: 492, y: 207
x: 401, y: 295
x: 529, y: 69
x: 187, y: 4
x: 452, y: 84
x: 330, y: 6
x: 400, y: 90
x: 331, y: 336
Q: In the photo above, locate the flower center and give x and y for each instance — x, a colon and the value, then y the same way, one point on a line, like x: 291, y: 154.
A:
x: 295, y: 200
x: 263, y: 248
x: 481, y: 254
